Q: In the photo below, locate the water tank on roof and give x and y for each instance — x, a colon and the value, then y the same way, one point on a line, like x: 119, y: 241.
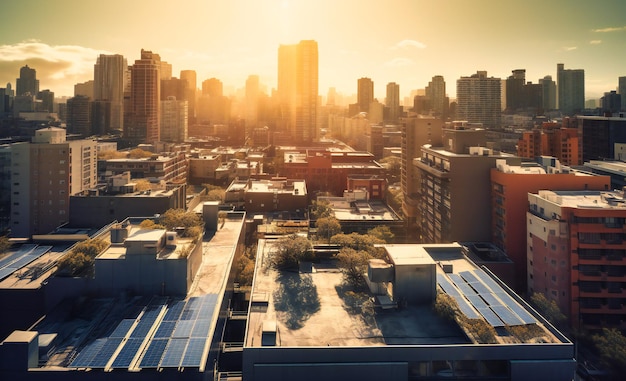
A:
x: 170, y: 240
x: 379, y: 271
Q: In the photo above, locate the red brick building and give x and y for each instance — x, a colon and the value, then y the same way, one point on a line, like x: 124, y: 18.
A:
x: 552, y: 139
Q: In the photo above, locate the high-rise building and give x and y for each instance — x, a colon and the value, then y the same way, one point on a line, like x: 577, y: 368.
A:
x: 570, y: 89
x: 47, y: 100
x: 84, y: 89
x: 436, y: 94
x: 252, y: 102
x: 600, y: 135
x: 392, y: 101
x: 510, y: 187
x: 548, y: 87
x: 611, y: 102
x: 190, y: 77
x: 145, y: 93
x: 174, y: 120
x: 46, y: 172
x: 478, y: 99
x: 552, y: 139
x: 298, y: 90
x: 213, y: 107
x: 621, y: 90
x: 174, y: 87
x: 515, y: 90
x: 365, y: 94
x: 27, y: 82
x: 109, y: 73
x: 212, y: 87
x: 455, y: 194
x: 79, y: 116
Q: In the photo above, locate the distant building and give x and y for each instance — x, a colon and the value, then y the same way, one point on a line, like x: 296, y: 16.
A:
x: 144, y: 114
x: 85, y: 89
x: 27, y: 83
x: 275, y: 195
x: 365, y: 94
x: 110, y: 76
x: 621, y: 90
x: 570, y: 89
x: 436, y: 95
x: 552, y: 139
x: 392, y: 101
x: 189, y: 76
x: 46, y: 172
x: 548, y: 87
x: 174, y: 120
x: 574, y: 254
x: 510, y: 185
x: 611, y: 102
x: 170, y: 168
x: 79, y: 119
x: 600, y: 135
x: 478, y: 99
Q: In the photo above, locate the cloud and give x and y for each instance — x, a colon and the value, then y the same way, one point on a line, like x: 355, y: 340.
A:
x: 399, y: 61
x: 595, y: 42
x: 405, y: 44
x: 569, y: 48
x: 58, y: 67
x: 609, y: 30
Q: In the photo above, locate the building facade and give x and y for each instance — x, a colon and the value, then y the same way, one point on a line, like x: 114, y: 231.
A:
x: 570, y: 89
x: 109, y: 73
x: 478, y: 99
x: 143, y: 115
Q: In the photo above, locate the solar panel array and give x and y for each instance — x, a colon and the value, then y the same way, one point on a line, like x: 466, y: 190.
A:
x: 476, y: 291
x: 24, y: 256
x: 156, y: 335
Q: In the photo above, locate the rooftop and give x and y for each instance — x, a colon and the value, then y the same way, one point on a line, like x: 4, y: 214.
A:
x: 585, y: 199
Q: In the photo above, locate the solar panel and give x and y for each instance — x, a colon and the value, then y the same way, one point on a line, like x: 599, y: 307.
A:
x: 146, y: 321
x: 183, y: 328
x: 173, y: 353
x: 129, y: 351
x: 486, y: 279
x: 193, y: 353
x: 88, y: 353
x: 446, y: 285
x: 23, y: 250
x: 201, y: 328
x: 190, y: 314
x: 39, y: 251
x: 506, y: 315
x: 466, y: 289
x: 491, y: 317
x: 465, y: 307
x: 174, y: 310
x: 468, y: 276
x: 23, y: 261
x: 6, y: 272
x: 477, y: 301
x: 456, y: 278
x: 153, y: 354
x: 122, y: 328
x: 103, y: 356
x: 480, y: 288
x: 165, y: 329
x: 491, y: 299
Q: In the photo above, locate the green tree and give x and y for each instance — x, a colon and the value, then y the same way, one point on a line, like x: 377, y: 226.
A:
x: 353, y: 264
x: 548, y: 308
x: 138, y: 153
x: 611, y: 346
x: 216, y: 195
x: 382, y: 232
x: 175, y: 218
x: 290, y: 250
x: 320, y: 209
x: 327, y: 227
x: 394, y: 199
x: 150, y: 224
x: 244, y: 267
x: 80, y: 260
x: 5, y: 244
x: 359, y: 242
x: 393, y: 164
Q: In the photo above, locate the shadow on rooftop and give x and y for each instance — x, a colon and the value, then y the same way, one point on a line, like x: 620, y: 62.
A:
x: 296, y: 299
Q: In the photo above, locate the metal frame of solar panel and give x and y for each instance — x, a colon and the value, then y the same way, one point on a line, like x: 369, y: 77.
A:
x: 172, y: 357
x: 103, y: 356
x: 152, y: 356
x: 146, y: 320
x: 193, y: 352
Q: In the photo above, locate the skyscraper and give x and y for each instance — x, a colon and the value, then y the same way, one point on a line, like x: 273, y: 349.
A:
x: 478, y: 99
x: 109, y: 74
x: 190, y: 77
x: 144, y: 114
x: 365, y: 93
x: 392, y: 101
x: 298, y: 89
x: 549, y: 92
x: 436, y: 94
x: 515, y: 90
x: 621, y: 90
x: 570, y: 89
x: 252, y: 102
x: 27, y: 82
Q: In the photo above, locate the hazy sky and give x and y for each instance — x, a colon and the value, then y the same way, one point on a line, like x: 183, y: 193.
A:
x: 402, y: 41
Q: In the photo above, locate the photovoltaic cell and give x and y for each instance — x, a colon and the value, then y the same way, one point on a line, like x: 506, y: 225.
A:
x: 165, y: 329
x: 24, y: 250
x: 190, y: 314
x: 201, y: 328
x: 506, y: 315
x: 173, y: 353
x: 466, y: 289
x: 480, y: 288
x: 128, y: 352
x: 6, y: 272
x: 153, y: 354
x: 86, y: 355
x: 456, y: 278
x: 477, y: 301
x: 174, y: 310
x: 465, y: 307
x: 446, y: 285
x: 468, y: 276
x: 193, y: 353
x: 491, y: 299
x: 104, y: 355
x: 183, y: 328
x: 122, y: 328
x: 491, y: 317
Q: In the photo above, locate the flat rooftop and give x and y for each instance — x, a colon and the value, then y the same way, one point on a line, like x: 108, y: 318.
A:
x: 346, y: 209
x: 585, y: 199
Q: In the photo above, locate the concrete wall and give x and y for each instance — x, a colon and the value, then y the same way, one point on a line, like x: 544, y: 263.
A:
x: 415, y: 284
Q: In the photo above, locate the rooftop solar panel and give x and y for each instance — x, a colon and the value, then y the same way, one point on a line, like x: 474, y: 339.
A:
x: 122, y: 328
x: 183, y: 328
x: 477, y: 301
x: 86, y: 355
x: 486, y: 279
x: 491, y: 317
x: 201, y: 328
x: 466, y: 289
x: 23, y: 261
x: 491, y: 299
x: 468, y: 276
x: 466, y: 308
x: 190, y: 314
x: 125, y: 357
x: 480, y: 288
x: 173, y: 354
x: 153, y: 354
x: 6, y: 272
x: 23, y: 250
x: 193, y: 353
x: 456, y: 278
x: 446, y: 285
x: 165, y: 329
x: 174, y: 310
x: 101, y: 359
x: 508, y: 317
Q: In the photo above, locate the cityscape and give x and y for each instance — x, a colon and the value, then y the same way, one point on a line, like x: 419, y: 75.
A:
x: 299, y: 190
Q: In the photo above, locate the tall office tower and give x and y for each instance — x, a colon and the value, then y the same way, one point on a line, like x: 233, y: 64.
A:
x: 174, y: 120
x: 144, y: 105
x: 109, y: 74
x: 212, y: 87
x: 331, y: 97
x: 415, y: 133
x: 449, y: 212
x: 85, y: 89
x: 621, y: 90
x: 252, y: 103
x: 47, y: 100
x: 570, y: 85
x: 611, y: 102
x: 190, y: 77
x: 478, y: 99
x: 46, y: 172
x: 27, y: 82
x: 436, y: 94
x: 79, y: 116
x: 548, y: 87
x: 174, y: 87
x: 298, y: 89
x: 392, y: 101
x: 515, y: 90
x: 365, y: 94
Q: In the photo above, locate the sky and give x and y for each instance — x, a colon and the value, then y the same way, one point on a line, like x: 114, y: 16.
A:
x: 402, y: 41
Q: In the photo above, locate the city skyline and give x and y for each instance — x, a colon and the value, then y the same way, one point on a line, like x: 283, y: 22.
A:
x: 402, y: 41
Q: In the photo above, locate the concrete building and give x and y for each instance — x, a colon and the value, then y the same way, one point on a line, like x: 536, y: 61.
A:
x: 436, y: 95
x: 365, y: 93
x: 189, y: 76
x: 85, y: 89
x: 614, y: 169
x: 570, y: 89
x: 110, y: 75
x: 510, y: 185
x: 416, y: 132
x: 600, y: 135
x: 551, y: 139
x: 170, y: 168
x: 392, y: 102
x: 202, y: 168
x: 611, y: 102
x: 174, y: 120
x: 27, y: 83
x: 621, y: 90
x: 144, y: 116
x: 79, y: 121
x: 288, y: 335
x: 575, y: 246
x: 275, y: 195
x: 455, y: 189
x: 478, y: 99
x: 548, y: 87
x: 45, y: 173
